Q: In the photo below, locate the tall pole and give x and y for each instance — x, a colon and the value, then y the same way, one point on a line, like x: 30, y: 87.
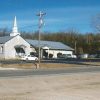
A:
x: 41, y: 14
x: 75, y: 47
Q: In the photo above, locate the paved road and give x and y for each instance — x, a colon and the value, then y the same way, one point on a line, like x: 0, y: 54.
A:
x: 20, y: 73
x: 66, y: 61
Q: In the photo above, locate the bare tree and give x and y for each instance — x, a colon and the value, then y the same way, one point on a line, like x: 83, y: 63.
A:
x: 4, y: 32
x: 95, y: 23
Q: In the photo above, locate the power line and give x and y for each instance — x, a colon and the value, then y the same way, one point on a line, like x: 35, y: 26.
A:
x: 20, y: 28
x: 27, y: 26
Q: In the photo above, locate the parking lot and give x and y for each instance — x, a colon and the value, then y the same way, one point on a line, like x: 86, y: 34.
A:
x: 79, y: 86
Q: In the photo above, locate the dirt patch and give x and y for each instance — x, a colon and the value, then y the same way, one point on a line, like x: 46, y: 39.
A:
x: 23, y: 66
x: 42, y: 65
x: 49, y: 65
x: 56, y: 65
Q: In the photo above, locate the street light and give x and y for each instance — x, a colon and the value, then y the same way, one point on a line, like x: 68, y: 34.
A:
x: 41, y: 23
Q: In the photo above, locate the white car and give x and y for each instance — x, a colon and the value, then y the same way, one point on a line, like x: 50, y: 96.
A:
x: 69, y: 56
x: 29, y: 57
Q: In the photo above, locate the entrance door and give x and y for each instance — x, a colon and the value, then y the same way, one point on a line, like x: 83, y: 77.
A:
x: 20, y: 51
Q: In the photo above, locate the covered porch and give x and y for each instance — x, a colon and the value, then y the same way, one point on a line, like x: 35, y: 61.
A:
x: 20, y: 50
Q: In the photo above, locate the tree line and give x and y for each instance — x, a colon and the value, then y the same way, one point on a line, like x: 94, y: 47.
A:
x: 82, y: 43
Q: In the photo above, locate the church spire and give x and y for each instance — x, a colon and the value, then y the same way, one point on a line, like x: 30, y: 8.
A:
x: 15, y: 28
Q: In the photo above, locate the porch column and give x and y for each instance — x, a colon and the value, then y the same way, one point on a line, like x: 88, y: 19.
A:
x: 41, y: 53
x: 48, y: 52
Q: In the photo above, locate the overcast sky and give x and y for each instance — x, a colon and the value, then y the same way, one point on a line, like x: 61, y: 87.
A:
x: 61, y: 15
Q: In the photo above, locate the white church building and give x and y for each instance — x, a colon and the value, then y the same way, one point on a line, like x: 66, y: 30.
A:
x: 14, y: 46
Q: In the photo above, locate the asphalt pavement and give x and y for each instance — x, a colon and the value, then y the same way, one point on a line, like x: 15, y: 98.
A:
x: 33, y: 72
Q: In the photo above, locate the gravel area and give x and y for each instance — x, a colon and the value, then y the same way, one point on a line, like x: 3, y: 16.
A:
x: 82, y: 86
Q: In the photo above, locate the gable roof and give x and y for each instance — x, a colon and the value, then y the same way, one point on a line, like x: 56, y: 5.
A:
x: 4, y: 39
x: 50, y: 44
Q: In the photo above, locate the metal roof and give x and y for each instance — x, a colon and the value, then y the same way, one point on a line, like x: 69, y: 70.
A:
x: 35, y: 43
x: 50, y: 44
x: 5, y: 39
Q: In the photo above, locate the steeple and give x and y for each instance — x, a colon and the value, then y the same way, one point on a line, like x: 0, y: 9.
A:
x: 15, y: 28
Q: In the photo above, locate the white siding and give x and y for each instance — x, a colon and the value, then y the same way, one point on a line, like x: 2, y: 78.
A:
x: 10, y: 51
x: 55, y: 52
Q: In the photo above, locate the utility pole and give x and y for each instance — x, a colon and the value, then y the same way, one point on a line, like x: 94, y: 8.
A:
x: 41, y: 23
x: 75, y: 47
